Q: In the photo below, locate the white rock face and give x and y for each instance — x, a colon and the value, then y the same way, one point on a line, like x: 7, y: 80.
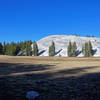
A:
x: 61, y: 44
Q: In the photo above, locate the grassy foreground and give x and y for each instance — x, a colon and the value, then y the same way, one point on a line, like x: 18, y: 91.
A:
x: 60, y: 78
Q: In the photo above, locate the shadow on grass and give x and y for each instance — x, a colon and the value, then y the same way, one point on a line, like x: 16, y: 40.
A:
x: 8, y: 68
x: 84, y: 87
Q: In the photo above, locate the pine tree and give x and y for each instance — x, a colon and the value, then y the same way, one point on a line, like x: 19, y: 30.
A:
x: 90, y: 49
x: 52, y: 49
x: 35, y: 49
x: 18, y: 48
x: 12, y: 49
x: 69, y: 50
x: 28, y: 48
x: 83, y: 49
x: 7, y: 49
x: 22, y: 47
x: 4, y: 48
x: 74, y: 48
x: 1, y: 48
x: 87, y: 49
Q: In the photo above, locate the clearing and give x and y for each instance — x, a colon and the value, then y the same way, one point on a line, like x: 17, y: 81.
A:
x: 55, y: 78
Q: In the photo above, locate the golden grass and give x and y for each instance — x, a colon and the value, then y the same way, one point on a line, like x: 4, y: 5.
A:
x: 87, y: 65
x: 60, y: 74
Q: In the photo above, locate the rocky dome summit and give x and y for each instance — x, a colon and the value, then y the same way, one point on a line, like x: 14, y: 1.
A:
x: 61, y: 44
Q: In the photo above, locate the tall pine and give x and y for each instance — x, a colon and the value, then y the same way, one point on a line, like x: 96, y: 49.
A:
x: 4, y: 48
x: 90, y: 49
x: 52, y: 49
x: 28, y: 48
x: 87, y: 49
x: 11, y: 49
x: 74, y: 52
x: 72, y: 49
x: 1, y: 49
x: 69, y: 49
x: 35, y: 49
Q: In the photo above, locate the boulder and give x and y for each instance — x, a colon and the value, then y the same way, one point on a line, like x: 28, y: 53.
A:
x: 31, y: 95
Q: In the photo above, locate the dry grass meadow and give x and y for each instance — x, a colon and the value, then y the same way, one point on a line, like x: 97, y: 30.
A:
x: 55, y: 78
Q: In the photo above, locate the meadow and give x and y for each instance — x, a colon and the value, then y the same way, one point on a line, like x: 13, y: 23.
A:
x: 54, y: 78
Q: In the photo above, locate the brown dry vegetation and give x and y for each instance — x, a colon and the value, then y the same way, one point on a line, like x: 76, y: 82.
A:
x: 61, y: 78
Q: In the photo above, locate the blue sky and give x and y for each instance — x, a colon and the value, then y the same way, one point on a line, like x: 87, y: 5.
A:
x: 35, y: 19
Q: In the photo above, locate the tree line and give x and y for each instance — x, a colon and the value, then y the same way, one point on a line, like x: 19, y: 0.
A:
x: 21, y: 48
x: 87, y: 49
x: 25, y: 48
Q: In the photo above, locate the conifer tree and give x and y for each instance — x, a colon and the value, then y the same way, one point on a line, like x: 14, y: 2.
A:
x: 69, y: 50
x: 83, y: 49
x: 90, y: 49
x: 74, y: 48
x: 7, y: 49
x: 4, y: 48
x: 18, y: 48
x: 28, y: 48
x: 35, y: 49
x: 87, y: 49
x: 12, y: 49
x: 52, y: 49
x: 1, y: 48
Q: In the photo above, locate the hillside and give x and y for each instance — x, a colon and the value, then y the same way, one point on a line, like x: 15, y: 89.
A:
x: 62, y: 41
